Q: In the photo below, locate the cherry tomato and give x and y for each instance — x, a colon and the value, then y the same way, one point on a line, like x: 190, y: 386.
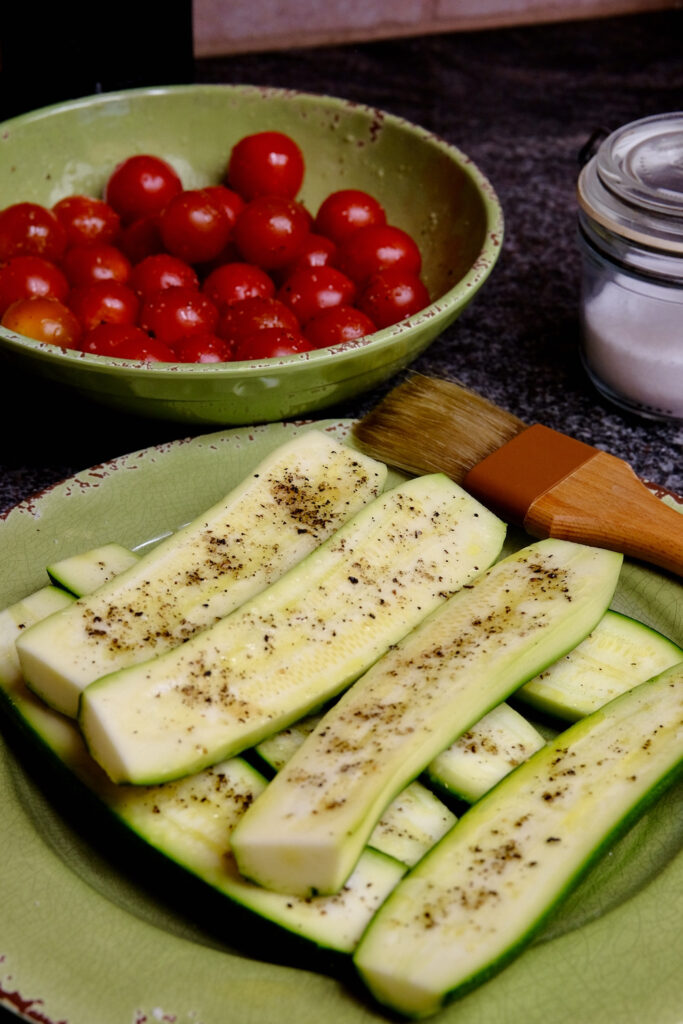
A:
x: 270, y: 343
x: 309, y: 291
x: 343, y: 212
x: 194, y: 226
x: 104, y: 302
x: 104, y: 339
x: 25, y: 276
x: 337, y: 325
x: 266, y: 163
x: 230, y: 202
x: 141, y: 186
x: 374, y: 248
x: 43, y: 319
x: 154, y: 273
x: 233, y: 282
x: 393, y: 295
x: 270, y: 231
x: 146, y: 349
x: 256, y: 314
x: 316, y: 251
x: 28, y: 229
x: 141, y: 239
x: 86, y: 219
x: 202, y: 348
x: 174, y: 313
x: 85, y: 264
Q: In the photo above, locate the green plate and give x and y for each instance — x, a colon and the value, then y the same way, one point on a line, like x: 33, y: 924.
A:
x: 82, y: 942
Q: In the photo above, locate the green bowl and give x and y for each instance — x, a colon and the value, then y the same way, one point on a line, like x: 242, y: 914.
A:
x: 427, y: 187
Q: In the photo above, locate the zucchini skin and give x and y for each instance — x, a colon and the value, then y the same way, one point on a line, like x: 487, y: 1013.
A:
x: 296, y: 644
x: 181, y: 864
x: 618, y: 654
x: 288, y: 505
x: 306, y: 831
x: 446, y: 880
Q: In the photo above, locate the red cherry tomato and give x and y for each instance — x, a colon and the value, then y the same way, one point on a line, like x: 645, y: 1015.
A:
x: 104, y: 302
x: 230, y: 202
x: 202, y: 348
x: 154, y: 273
x: 266, y: 163
x: 270, y: 231
x: 141, y: 186
x: 336, y: 325
x: 256, y: 314
x: 43, y: 319
x: 175, y: 313
x: 372, y: 249
x: 270, y: 343
x: 85, y: 264
x: 393, y: 295
x: 146, y: 349
x: 141, y: 239
x: 105, y: 338
x: 232, y: 282
x: 194, y: 226
x: 87, y: 220
x: 316, y: 251
x: 307, y: 292
x: 28, y: 229
x: 343, y: 212
x: 25, y: 276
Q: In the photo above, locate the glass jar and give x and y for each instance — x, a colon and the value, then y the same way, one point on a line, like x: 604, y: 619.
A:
x: 630, y: 197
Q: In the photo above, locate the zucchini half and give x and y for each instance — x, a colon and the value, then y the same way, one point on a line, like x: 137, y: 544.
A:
x: 189, y: 821
x: 307, y: 830
x: 475, y: 901
x: 294, y: 499
x: 296, y: 644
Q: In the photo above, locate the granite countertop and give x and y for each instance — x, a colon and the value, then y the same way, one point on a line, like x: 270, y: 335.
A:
x: 521, y: 102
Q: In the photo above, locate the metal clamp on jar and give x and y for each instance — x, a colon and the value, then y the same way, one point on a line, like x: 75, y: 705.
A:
x: 631, y: 234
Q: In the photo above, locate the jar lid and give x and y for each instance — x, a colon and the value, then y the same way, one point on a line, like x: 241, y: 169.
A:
x: 633, y: 186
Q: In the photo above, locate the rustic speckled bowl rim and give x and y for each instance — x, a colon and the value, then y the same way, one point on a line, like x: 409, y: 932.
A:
x: 322, y: 358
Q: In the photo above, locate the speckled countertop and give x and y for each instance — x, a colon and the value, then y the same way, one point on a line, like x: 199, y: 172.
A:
x: 521, y: 102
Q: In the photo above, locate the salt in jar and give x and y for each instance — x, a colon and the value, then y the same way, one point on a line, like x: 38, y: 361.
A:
x: 630, y: 197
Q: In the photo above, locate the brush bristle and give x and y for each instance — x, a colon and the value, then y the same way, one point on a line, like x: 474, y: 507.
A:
x: 427, y: 425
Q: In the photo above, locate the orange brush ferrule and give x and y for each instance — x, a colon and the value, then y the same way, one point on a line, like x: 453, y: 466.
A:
x: 555, y: 486
x: 513, y: 477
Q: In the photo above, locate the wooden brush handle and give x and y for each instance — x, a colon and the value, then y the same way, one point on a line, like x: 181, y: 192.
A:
x: 602, y: 502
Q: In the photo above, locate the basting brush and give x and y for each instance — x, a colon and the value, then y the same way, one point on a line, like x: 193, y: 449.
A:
x: 535, y: 477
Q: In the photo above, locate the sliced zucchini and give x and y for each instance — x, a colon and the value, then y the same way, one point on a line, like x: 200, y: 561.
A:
x: 190, y: 821
x: 22, y: 615
x: 86, y: 571
x: 485, y: 754
x: 410, y: 825
x: 618, y: 654
x: 290, y: 503
x: 479, y: 896
x: 298, y: 643
x: 307, y: 830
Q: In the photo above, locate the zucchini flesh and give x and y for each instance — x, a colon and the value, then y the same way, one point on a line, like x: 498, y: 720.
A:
x: 190, y: 821
x: 288, y: 505
x: 307, y: 830
x: 19, y: 617
x: 484, y: 754
x: 297, y: 644
x: 82, y: 573
x: 478, y: 897
x: 410, y: 825
x: 617, y: 655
